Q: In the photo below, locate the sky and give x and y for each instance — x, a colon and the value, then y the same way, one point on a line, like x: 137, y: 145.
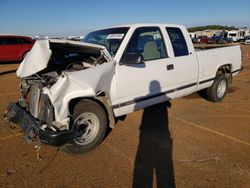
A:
x: 78, y: 17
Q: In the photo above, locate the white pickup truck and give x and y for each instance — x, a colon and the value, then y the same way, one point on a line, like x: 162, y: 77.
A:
x: 72, y: 91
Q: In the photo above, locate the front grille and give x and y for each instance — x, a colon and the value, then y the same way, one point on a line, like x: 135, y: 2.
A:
x: 38, y: 104
x: 46, y: 110
x: 33, y: 100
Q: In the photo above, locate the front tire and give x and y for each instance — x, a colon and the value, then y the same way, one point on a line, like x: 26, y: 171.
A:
x: 90, y: 124
x: 218, y: 90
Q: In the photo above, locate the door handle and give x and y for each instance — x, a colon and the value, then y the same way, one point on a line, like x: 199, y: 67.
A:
x: 170, y: 67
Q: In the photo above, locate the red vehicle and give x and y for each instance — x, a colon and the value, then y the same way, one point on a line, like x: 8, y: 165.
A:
x: 14, y: 48
x: 202, y: 39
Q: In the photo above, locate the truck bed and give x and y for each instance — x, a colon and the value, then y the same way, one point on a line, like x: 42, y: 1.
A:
x: 211, y: 59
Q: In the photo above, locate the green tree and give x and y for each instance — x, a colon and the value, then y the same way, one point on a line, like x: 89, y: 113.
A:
x: 210, y: 27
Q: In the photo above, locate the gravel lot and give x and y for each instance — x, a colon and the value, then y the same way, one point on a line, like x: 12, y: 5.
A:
x: 193, y: 143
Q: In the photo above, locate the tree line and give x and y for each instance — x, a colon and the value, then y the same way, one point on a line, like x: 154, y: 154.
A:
x: 215, y: 27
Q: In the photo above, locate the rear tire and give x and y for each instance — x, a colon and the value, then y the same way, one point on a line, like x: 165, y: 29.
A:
x: 90, y: 124
x: 218, y: 90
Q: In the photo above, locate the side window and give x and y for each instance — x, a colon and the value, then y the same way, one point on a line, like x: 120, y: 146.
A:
x: 1, y: 41
x: 11, y: 41
x: 24, y: 41
x: 147, y: 41
x: 178, y: 41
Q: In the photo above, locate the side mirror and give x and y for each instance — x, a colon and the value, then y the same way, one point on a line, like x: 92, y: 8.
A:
x: 131, y: 59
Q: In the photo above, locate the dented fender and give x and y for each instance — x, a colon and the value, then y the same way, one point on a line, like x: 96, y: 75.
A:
x: 85, y: 83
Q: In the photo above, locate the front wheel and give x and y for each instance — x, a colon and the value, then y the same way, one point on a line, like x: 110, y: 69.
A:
x: 218, y: 90
x: 90, y: 124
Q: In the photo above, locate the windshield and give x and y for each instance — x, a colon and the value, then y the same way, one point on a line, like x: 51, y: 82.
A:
x: 110, y: 38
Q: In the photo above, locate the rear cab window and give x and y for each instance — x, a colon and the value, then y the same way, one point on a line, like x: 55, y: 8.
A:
x: 178, y: 41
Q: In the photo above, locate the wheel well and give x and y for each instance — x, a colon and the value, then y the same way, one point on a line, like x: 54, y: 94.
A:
x: 73, y: 103
x: 101, y: 99
x: 227, y: 70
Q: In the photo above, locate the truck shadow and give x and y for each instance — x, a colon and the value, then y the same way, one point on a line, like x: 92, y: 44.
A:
x: 154, y: 153
x: 193, y: 96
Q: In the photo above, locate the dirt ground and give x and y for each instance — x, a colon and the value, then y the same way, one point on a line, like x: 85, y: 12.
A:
x: 193, y: 143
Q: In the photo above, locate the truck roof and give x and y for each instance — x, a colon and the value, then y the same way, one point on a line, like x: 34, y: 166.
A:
x: 146, y: 25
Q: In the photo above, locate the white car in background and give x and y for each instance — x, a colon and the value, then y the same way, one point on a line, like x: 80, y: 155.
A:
x: 247, y: 41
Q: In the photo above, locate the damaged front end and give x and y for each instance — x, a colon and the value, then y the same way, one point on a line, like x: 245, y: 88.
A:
x: 35, y: 114
x: 36, y: 111
x: 33, y: 129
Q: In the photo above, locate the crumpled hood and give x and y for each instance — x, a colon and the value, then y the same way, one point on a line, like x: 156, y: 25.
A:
x: 38, y: 57
x: 36, y: 60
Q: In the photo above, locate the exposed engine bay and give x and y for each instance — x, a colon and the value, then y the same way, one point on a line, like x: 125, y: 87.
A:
x: 64, y: 58
x: 67, y: 58
x: 71, y: 58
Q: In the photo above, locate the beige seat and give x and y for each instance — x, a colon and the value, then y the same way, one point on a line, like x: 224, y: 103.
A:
x: 150, y: 51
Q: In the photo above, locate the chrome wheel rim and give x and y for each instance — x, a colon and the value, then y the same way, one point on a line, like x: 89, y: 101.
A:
x: 86, y: 126
x: 221, y: 89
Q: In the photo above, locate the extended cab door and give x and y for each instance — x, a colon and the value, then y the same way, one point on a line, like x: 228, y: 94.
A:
x: 147, y: 83
x: 169, y: 70
x: 182, y: 65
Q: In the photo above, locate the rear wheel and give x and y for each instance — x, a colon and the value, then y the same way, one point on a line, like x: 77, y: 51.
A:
x: 90, y: 124
x: 218, y: 90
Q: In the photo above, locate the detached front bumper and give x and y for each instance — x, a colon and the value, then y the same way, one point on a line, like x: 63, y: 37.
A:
x: 32, y: 128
